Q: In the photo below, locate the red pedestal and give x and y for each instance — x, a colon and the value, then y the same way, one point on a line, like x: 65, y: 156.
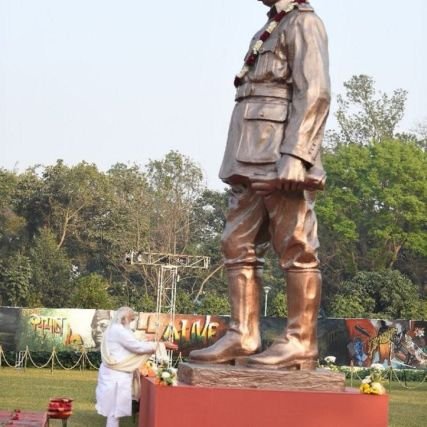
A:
x: 188, y: 406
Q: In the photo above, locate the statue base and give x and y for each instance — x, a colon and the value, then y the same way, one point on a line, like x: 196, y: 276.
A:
x: 241, y: 376
x: 188, y: 406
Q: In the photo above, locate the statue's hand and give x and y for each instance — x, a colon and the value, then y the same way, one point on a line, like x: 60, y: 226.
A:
x: 264, y: 187
x: 290, y: 173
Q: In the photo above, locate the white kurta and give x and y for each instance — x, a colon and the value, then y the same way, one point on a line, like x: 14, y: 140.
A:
x: 114, y: 388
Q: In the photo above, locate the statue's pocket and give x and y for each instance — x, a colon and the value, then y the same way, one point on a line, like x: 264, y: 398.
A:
x: 262, y: 132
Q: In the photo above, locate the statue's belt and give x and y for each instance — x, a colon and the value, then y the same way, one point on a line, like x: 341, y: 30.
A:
x: 263, y: 89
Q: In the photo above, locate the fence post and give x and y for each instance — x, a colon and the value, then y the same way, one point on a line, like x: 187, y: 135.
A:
x: 26, y: 358
x: 53, y: 360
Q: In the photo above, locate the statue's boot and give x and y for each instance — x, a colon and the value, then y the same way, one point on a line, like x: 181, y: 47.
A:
x: 243, y: 337
x: 297, y: 349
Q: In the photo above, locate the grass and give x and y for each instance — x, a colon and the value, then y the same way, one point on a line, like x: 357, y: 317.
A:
x: 32, y: 389
x: 408, y: 404
x: 408, y: 408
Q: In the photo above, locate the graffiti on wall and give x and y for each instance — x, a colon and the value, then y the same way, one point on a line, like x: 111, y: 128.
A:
x: 189, y: 331
x: 42, y: 329
x: 399, y: 343
x: 395, y: 343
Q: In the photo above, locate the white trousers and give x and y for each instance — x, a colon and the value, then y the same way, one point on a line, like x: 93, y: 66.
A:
x: 112, y: 421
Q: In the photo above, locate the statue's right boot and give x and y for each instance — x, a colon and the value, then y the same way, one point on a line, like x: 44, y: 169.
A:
x: 243, y: 336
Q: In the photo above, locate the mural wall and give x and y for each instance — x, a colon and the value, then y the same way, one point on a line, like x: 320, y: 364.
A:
x: 400, y: 343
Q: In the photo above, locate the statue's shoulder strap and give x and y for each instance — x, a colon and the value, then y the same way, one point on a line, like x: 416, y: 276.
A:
x: 305, y: 7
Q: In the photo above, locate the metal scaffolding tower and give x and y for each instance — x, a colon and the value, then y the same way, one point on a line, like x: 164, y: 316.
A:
x: 167, y: 266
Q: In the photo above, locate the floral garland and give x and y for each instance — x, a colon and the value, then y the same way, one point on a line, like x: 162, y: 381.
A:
x: 252, y: 57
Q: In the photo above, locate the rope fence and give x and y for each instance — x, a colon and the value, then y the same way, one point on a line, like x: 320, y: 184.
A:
x: 21, y: 362
x: 390, y: 375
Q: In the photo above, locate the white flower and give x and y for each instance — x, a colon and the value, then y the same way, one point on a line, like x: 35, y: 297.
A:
x: 419, y: 332
x: 330, y: 359
x: 271, y: 26
x: 377, y: 367
x: 243, y: 72
x: 257, y: 46
x: 367, y: 380
x: 290, y: 7
x: 173, y: 371
x: 166, y: 375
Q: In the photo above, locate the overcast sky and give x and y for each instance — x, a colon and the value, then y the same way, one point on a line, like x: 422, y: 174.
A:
x: 111, y: 81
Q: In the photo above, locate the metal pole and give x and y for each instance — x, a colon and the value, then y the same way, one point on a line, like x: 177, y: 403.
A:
x: 266, y: 291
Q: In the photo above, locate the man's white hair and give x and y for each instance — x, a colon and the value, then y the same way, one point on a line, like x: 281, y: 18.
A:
x: 120, y: 316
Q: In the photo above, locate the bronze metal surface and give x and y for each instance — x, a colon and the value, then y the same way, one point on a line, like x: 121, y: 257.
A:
x: 298, y: 346
x: 272, y: 162
x: 243, y: 336
x: 289, y: 88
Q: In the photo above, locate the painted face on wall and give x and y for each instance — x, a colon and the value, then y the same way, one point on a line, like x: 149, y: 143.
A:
x: 100, y: 321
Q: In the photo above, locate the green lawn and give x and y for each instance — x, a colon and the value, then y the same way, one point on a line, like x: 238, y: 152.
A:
x: 33, y: 388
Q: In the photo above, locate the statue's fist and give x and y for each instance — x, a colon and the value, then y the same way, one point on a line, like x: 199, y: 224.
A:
x: 290, y: 173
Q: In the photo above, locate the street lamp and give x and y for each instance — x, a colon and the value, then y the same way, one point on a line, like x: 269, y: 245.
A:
x: 266, y: 291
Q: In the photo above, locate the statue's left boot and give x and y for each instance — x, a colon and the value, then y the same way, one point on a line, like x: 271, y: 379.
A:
x: 297, y: 349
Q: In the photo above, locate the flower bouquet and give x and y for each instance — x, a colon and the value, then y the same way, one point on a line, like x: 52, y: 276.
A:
x: 166, y: 376
x: 372, y: 384
x: 149, y: 369
x: 162, y: 374
x: 328, y: 363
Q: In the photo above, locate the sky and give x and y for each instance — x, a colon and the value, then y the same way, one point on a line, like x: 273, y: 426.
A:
x: 110, y: 81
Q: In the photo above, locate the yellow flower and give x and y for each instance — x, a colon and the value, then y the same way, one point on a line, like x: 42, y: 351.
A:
x: 377, y: 388
x: 365, y: 388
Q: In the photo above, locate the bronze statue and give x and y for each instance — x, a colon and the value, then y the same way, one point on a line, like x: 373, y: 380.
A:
x: 272, y: 163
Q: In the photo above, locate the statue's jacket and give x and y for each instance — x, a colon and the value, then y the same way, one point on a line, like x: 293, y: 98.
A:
x: 283, y: 103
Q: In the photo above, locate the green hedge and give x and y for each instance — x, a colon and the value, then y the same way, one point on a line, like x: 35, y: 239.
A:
x: 415, y: 375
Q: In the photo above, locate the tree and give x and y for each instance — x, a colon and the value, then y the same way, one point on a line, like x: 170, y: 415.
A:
x: 421, y: 134
x: 383, y: 294
x: 15, y: 275
x: 278, y: 306
x: 12, y: 225
x: 51, y: 283
x: 364, y: 114
x: 208, y: 217
x: 214, y: 303
x: 91, y: 291
x: 373, y: 211
x: 175, y: 183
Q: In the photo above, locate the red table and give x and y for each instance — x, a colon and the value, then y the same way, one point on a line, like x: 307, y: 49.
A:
x: 25, y: 418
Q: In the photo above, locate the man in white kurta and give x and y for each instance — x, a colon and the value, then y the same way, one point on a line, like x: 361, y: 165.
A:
x: 120, y: 352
